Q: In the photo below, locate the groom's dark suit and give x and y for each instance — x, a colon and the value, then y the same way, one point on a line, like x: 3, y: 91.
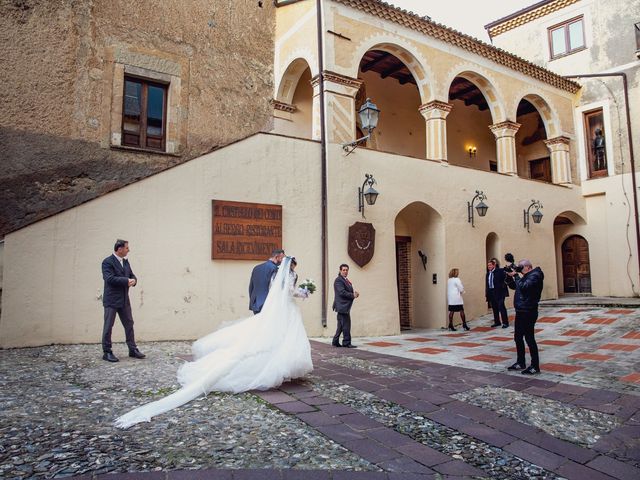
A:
x: 344, y: 296
x: 259, y: 285
x: 115, y: 299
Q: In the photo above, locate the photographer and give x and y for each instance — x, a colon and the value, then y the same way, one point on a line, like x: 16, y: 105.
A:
x: 528, y: 289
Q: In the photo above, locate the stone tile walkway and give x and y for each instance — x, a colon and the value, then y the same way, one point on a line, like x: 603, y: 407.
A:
x: 589, y: 346
x: 425, y: 405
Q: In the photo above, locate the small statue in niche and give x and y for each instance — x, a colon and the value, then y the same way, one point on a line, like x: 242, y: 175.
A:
x: 599, y: 155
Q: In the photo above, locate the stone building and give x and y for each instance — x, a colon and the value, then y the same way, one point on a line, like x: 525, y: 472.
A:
x: 460, y: 121
x: 597, y: 43
x: 198, y: 76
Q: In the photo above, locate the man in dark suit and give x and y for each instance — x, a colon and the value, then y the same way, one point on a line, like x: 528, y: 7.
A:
x: 344, y: 297
x: 261, y: 280
x: 495, y: 292
x: 118, y: 277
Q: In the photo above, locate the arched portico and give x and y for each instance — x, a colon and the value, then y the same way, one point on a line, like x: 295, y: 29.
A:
x: 474, y: 104
x: 414, y: 62
x: 420, y: 228
x: 294, y: 105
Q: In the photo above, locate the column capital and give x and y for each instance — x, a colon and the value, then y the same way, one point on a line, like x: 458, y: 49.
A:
x: 558, y: 143
x: 338, y: 83
x: 435, y: 109
x: 504, y: 129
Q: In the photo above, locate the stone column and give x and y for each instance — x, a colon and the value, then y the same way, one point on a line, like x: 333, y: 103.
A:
x: 560, y: 162
x: 339, y: 93
x: 435, y: 114
x: 505, y: 133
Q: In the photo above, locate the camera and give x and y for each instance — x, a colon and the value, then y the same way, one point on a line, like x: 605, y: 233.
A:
x: 511, y: 267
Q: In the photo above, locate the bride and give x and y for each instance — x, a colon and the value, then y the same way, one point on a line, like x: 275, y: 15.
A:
x: 257, y: 353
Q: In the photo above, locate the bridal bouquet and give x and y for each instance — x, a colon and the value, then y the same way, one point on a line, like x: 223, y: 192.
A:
x: 308, y: 285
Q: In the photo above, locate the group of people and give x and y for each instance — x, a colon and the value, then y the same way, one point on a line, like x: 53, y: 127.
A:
x: 262, y: 351
x: 527, y: 282
x: 255, y: 353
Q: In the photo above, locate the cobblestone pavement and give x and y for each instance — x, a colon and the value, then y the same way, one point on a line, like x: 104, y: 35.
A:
x: 361, y: 414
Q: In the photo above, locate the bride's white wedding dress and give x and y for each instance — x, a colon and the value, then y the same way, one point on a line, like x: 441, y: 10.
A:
x: 257, y: 353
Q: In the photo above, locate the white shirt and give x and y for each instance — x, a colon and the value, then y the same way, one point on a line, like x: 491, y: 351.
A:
x: 120, y: 259
x: 454, y: 291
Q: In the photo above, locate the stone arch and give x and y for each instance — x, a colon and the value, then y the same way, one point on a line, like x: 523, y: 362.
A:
x: 572, y: 217
x: 566, y: 225
x: 421, y: 227
x: 486, y: 86
x: 398, y: 47
x: 549, y: 116
x: 286, y: 87
x: 492, y: 246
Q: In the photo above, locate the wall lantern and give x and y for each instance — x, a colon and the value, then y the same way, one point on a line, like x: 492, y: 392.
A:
x: 370, y: 195
x: 368, y: 114
x: 537, y: 215
x: 481, y: 207
x: 472, y: 151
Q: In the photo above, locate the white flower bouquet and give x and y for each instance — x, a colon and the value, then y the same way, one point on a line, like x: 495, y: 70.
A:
x: 308, y: 285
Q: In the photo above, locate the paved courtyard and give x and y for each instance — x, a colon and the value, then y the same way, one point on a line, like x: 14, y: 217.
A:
x: 424, y: 405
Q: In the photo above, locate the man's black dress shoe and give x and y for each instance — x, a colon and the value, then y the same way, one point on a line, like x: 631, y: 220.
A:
x: 530, y: 371
x: 135, y: 353
x: 336, y: 345
x: 505, y: 325
x: 516, y: 366
x: 496, y: 325
x: 349, y: 346
x: 110, y: 357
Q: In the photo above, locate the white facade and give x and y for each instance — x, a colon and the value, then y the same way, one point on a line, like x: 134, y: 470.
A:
x: 447, y: 95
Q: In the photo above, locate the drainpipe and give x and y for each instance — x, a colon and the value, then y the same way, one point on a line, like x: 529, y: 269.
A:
x: 630, y: 139
x: 323, y: 151
x: 323, y: 160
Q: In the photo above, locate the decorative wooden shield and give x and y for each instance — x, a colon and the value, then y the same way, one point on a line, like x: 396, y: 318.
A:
x: 362, y: 242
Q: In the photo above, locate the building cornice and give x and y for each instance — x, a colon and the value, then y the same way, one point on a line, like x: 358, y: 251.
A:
x: 282, y: 106
x: 337, y: 78
x: 526, y: 15
x: 425, y: 26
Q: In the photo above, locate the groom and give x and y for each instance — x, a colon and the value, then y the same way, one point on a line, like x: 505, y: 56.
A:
x: 261, y: 280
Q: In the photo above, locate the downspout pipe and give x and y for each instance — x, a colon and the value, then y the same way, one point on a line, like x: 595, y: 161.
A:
x: 630, y: 139
x: 323, y: 160
x: 323, y: 150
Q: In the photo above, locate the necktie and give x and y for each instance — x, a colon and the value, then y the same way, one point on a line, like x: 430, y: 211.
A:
x: 490, y: 279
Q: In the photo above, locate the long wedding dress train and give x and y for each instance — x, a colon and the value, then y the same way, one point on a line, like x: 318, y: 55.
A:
x: 257, y: 353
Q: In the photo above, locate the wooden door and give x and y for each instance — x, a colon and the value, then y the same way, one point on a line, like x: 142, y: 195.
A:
x: 541, y: 169
x: 576, y: 272
x: 403, y: 280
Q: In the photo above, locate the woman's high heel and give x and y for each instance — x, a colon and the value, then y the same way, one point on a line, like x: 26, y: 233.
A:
x: 465, y: 326
x: 452, y: 328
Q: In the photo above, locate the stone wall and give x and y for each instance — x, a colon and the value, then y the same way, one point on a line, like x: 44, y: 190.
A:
x: 58, y: 63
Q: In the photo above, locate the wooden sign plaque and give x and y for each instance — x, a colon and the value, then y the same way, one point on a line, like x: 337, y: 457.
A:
x: 245, y: 231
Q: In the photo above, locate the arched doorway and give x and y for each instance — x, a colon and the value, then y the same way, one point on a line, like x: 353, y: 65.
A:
x: 420, y: 267
x: 576, y: 272
x: 492, y: 246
